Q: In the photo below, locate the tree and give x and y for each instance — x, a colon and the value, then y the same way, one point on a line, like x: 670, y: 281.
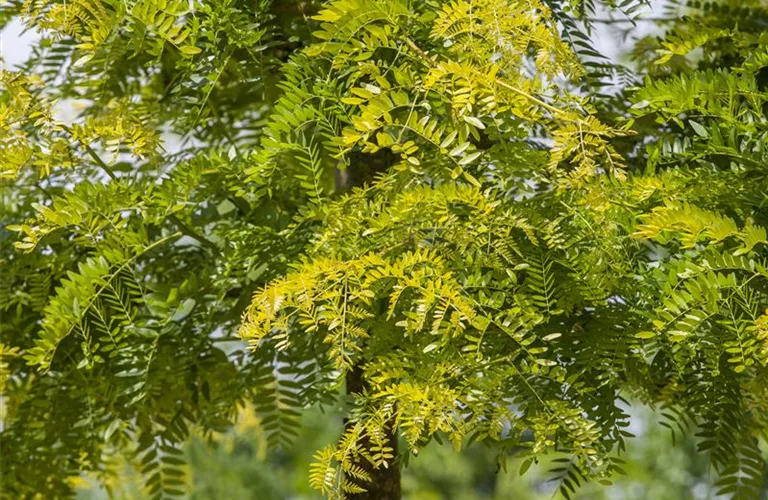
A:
x: 441, y: 212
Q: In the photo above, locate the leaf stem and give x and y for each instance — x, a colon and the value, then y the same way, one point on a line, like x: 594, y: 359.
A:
x: 100, y: 162
x: 188, y: 231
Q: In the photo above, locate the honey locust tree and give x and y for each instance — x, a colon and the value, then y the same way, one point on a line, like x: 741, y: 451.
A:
x: 439, y: 209
x: 487, y: 287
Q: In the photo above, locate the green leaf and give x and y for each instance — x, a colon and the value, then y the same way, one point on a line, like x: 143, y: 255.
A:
x: 645, y: 335
x: 470, y: 158
x: 184, y: 310
x: 190, y: 50
x: 475, y: 122
x: 700, y: 130
x: 459, y: 149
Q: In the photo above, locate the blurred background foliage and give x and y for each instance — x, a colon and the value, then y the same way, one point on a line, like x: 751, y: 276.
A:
x: 238, y: 466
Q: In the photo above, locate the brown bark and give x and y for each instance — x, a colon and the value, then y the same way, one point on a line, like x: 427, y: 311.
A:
x: 385, y: 482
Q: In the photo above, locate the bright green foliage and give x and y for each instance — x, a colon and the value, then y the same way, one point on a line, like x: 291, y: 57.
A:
x: 130, y: 261
x: 374, y: 88
x: 456, y: 290
x: 451, y: 327
x: 447, y: 291
x: 434, y: 195
x: 708, y: 319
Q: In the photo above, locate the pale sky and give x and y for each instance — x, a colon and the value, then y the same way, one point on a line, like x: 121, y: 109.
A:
x: 15, y: 45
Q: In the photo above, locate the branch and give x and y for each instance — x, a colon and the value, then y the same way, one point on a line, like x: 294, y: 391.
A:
x: 95, y: 296
x: 101, y: 163
x: 188, y: 231
x: 625, y: 20
x: 429, y: 62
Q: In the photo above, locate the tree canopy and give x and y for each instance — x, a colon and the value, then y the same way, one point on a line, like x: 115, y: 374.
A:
x: 454, y: 220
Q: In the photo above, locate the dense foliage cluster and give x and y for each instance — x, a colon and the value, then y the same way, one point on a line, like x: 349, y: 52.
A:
x: 456, y: 210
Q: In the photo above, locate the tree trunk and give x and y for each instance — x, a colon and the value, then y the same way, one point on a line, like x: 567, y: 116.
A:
x: 385, y: 482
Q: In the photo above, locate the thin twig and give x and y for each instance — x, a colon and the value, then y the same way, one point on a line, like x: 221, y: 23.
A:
x: 188, y: 231
x: 626, y: 20
x: 101, y: 163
